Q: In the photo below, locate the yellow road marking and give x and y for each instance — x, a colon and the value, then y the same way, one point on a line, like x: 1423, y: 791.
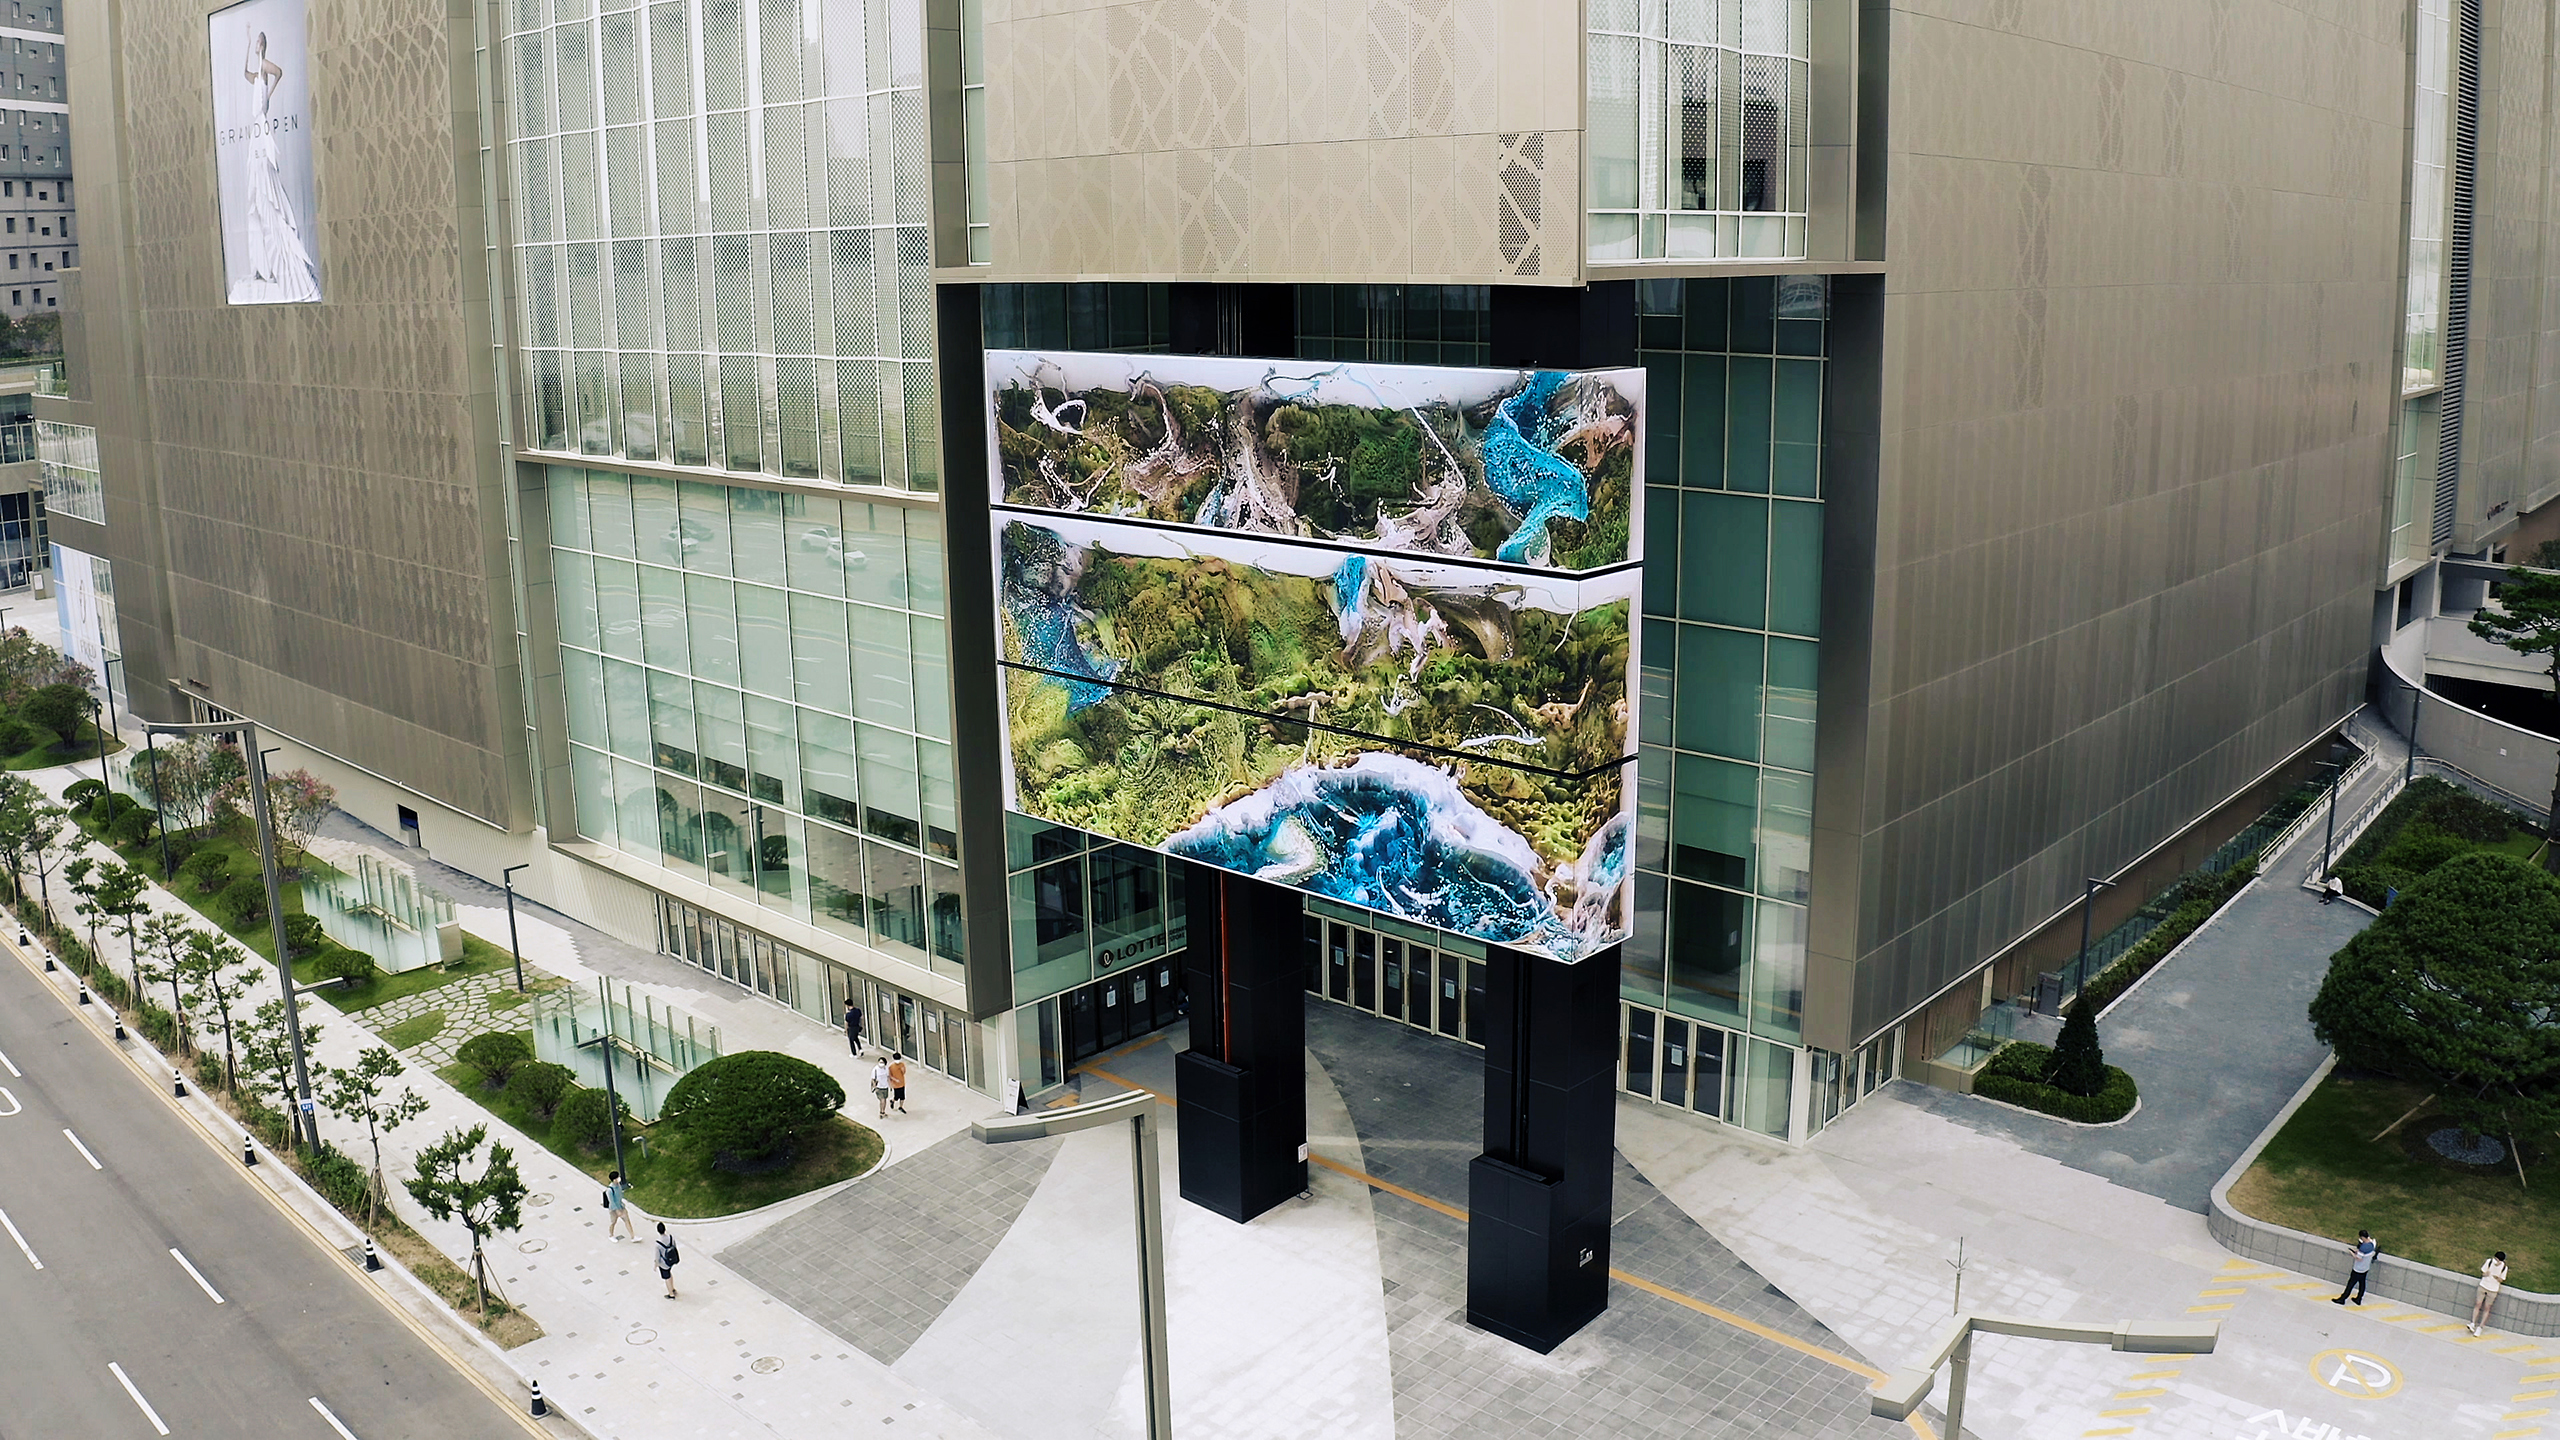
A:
x: 2511, y: 1349
x: 2512, y: 1434
x: 2115, y: 1430
x: 2305, y: 1285
x: 2205, y: 1309
x: 2235, y: 1290
x: 2537, y: 1395
x: 2440, y: 1329
x: 2526, y: 1414
x: 2120, y: 1414
x: 2141, y: 1394
x: 2153, y: 1375
x: 2540, y: 1379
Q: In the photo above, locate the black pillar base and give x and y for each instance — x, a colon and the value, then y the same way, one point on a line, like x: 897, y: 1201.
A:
x: 1538, y: 1227
x: 1243, y: 1082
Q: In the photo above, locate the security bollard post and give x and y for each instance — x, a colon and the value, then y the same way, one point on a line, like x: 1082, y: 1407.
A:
x: 371, y: 1261
x: 248, y: 1149
x: 84, y: 992
x: 177, y: 1082
x: 540, y: 1406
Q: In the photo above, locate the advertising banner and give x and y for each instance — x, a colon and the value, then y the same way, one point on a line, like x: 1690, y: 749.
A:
x: 1366, y: 631
x: 262, y: 147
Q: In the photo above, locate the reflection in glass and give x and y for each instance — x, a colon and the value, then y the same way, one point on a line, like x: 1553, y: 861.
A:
x: 1708, y: 935
x: 836, y: 886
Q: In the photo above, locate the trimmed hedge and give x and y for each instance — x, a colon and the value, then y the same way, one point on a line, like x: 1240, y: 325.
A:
x: 2431, y: 822
x: 496, y: 1054
x: 583, y: 1119
x: 542, y: 1085
x: 2016, y: 1073
x: 751, y: 1107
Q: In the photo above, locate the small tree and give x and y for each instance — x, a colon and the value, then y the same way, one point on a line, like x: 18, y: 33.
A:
x: 49, y: 836
x: 486, y: 1203
x: 80, y: 873
x: 752, y: 1107
x: 2079, y: 1067
x: 268, y: 1051
x: 244, y: 899
x: 60, y: 709
x: 296, y: 804
x: 496, y: 1054
x: 209, y: 869
x: 164, y: 936
x: 120, y: 896
x: 2526, y: 619
x: 2454, y: 987
x: 586, y: 1118
x: 18, y: 803
x: 28, y: 665
x: 216, y: 975
x: 186, y: 778
x: 541, y: 1085
x: 360, y: 1093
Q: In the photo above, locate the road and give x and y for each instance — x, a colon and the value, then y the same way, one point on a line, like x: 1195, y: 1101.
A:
x: 105, y: 1333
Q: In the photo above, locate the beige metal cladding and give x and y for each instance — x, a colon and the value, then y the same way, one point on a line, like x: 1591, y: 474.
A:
x: 1432, y: 141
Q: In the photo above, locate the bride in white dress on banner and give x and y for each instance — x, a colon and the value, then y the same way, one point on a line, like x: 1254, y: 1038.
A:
x: 280, y: 264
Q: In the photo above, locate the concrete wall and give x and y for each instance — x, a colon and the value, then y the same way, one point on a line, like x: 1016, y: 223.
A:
x: 2511, y: 404
x: 305, y: 501
x: 2505, y: 757
x: 2137, y: 335
x: 1435, y: 141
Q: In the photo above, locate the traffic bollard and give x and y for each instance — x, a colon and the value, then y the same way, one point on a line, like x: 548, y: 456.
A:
x: 178, y: 1082
x: 371, y: 1260
x: 49, y: 966
x: 248, y: 1150
x: 540, y: 1406
x: 119, y: 1028
x: 84, y: 992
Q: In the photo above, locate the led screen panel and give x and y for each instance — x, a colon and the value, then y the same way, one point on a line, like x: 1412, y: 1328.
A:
x: 263, y: 146
x: 1328, y: 665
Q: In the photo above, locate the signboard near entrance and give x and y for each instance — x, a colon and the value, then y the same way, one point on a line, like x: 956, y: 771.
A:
x: 1363, y: 631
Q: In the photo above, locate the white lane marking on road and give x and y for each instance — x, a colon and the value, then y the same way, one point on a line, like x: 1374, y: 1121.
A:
x: 12, y: 1069
x: 14, y: 1106
x: 201, y: 1282
x: 147, y: 1412
x: 6, y: 1224
x: 334, y: 1422
x: 83, y: 1149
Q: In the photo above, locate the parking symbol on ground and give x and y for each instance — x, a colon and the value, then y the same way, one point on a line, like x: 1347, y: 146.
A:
x: 2355, y: 1374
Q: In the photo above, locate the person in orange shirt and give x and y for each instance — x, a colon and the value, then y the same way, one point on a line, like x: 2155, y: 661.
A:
x: 898, y: 1082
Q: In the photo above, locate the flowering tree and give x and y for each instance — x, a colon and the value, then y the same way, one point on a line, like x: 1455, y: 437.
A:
x: 187, y: 778
x: 28, y: 665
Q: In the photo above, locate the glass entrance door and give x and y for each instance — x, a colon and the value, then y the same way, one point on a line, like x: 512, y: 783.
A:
x: 1395, y: 978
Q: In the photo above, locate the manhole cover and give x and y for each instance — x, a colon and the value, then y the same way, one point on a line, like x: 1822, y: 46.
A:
x: 640, y: 1336
x: 537, y: 1199
x: 767, y: 1365
x: 2478, y: 1150
x: 534, y: 1247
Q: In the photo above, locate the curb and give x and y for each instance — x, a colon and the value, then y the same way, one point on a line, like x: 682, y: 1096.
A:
x: 2519, y: 1312
x: 2175, y: 950
x: 2125, y: 1118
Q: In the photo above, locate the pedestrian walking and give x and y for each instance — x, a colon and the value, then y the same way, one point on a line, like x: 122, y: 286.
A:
x: 618, y: 1212
x: 2493, y: 1273
x: 667, y: 1258
x: 880, y: 1087
x: 853, y: 1024
x: 898, y: 1082
x: 2365, y: 1250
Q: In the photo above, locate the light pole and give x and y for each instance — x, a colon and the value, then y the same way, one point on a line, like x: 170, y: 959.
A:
x: 159, y: 807
x: 247, y: 730
x: 2329, y: 841
x: 2088, y: 902
x: 612, y: 1100
x: 508, y: 876
x: 1896, y: 1395
x: 1147, y: 1188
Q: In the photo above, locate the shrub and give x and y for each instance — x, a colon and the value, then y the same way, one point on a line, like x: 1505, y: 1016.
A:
x: 302, y: 932
x: 209, y: 1068
x: 244, y: 899
x: 340, y: 1180
x: 2200, y: 897
x: 83, y: 792
x: 751, y: 1107
x: 58, y: 708
x: 2079, y: 1066
x: 337, y: 962
x: 2013, y: 1076
x: 496, y: 1054
x: 118, y: 804
x: 210, y: 869
x: 17, y: 737
x: 582, y: 1118
x: 134, y: 826
x: 541, y: 1085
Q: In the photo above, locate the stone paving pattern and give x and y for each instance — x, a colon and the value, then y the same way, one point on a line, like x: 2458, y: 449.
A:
x: 467, y: 1012
x: 878, y: 1262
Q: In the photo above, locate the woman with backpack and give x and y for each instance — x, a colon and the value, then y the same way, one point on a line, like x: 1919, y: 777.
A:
x: 667, y: 1258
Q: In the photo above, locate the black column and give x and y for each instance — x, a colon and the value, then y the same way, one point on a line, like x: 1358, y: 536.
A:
x: 1243, y: 1083
x: 1554, y: 327
x: 1538, y: 1197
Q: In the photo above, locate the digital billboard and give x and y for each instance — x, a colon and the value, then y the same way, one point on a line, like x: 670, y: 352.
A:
x: 1366, y: 631
x: 263, y: 146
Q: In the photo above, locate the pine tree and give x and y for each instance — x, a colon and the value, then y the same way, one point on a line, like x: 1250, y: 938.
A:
x: 2079, y: 1067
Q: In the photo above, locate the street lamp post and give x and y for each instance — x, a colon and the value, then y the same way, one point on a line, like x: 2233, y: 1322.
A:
x: 247, y: 730
x: 612, y: 1099
x: 508, y: 876
x: 159, y: 807
x: 2088, y: 902
x: 1147, y: 1188
x: 1895, y: 1396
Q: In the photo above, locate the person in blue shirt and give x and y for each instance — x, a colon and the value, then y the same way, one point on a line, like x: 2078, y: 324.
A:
x: 2365, y: 1250
x: 617, y: 1211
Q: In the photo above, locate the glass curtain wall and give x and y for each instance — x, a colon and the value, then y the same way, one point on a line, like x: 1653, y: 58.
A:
x: 1700, y: 127
x: 70, y: 466
x: 1083, y: 907
x: 1733, y: 576
x: 758, y: 696
x: 2422, y: 334
x: 1396, y: 324
x: 720, y: 215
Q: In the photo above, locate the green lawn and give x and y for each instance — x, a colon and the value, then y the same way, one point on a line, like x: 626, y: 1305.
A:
x: 479, y: 957
x: 414, y: 1031
x: 2324, y: 1173
x: 669, y: 1178
x: 48, y: 755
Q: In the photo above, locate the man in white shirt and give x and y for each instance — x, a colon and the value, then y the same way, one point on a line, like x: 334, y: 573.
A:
x: 880, y: 1086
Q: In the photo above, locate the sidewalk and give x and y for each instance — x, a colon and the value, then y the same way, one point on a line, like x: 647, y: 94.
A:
x: 616, y: 1356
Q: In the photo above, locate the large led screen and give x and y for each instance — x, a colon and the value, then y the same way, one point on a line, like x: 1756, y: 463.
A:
x: 262, y: 147
x: 1325, y: 663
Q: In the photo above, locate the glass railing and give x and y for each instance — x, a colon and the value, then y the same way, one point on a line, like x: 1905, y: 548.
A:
x: 51, y: 379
